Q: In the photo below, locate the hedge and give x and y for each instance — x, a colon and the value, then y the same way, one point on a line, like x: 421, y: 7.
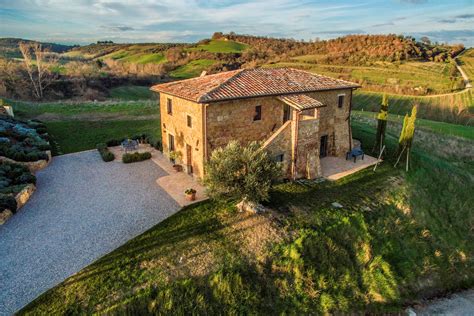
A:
x: 150, y: 139
x: 13, y: 178
x: 105, y: 153
x: 135, y: 157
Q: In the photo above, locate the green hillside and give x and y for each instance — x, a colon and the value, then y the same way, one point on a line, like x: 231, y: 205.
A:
x: 192, y: 69
x: 467, y: 63
x: 418, y: 77
x: 221, y: 46
x: 457, y: 108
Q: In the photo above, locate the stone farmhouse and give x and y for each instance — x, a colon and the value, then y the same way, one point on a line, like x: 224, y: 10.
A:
x: 299, y: 117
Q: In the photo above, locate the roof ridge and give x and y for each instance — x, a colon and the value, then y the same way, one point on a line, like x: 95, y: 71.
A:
x: 203, y: 97
x: 319, y: 75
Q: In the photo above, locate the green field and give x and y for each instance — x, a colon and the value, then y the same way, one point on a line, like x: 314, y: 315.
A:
x: 398, y: 238
x: 221, y: 46
x: 84, y: 110
x: 431, y: 77
x: 131, y: 93
x: 454, y: 108
x: 192, y: 69
x: 432, y: 126
x: 74, y: 136
x: 467, y: 63
x: 77, y: 126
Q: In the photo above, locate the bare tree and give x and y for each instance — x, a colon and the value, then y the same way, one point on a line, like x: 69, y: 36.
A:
x: 38, y: 63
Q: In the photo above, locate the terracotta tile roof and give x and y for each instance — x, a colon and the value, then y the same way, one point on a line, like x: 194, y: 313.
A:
x: 300, y: 101
x: 246, y: 83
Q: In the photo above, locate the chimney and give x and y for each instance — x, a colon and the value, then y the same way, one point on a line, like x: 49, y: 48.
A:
x: 203, y: 73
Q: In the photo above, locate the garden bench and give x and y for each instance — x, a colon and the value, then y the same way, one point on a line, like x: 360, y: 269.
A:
x: 129, y: 145
x: 354, y: 153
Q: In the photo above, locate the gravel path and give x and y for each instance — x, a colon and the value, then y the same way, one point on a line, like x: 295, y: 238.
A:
x: 461, y: 304
x: 83, y: 208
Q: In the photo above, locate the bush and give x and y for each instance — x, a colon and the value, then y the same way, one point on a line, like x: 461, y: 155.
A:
x: 7, y: 202
x: 135, y: 157
x: 105, y: 153
x: 244, y: 173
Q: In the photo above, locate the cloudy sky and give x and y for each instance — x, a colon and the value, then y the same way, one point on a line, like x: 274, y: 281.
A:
x: 86, y: 21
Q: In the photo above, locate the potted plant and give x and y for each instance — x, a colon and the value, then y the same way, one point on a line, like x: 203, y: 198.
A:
x: 174, y: 157
x: 190, y: 194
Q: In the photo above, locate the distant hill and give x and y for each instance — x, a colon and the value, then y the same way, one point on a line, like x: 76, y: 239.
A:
x: 9, y: 47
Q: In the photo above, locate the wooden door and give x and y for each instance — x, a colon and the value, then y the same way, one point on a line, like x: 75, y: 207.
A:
x: 189, y: 158
x: 323, y: 147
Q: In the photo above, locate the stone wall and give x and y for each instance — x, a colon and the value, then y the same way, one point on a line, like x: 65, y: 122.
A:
x: 307, y: 149
x: 280, y: 144
x: 33, y: 166
x: 333, y: 120
x: 233, y: 120
x: 176, y: 125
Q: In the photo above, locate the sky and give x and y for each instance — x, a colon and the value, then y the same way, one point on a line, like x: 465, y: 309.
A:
x: 87, y: 21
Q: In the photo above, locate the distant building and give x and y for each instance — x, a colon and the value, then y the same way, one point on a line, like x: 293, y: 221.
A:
x: 298, y: 116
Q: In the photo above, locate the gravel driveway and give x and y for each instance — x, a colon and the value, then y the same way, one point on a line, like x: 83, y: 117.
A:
x: 83, y: 208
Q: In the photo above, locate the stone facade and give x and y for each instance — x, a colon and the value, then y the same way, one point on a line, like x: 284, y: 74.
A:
x: 298, y: 140
x: 235, y: 120
x: 185, y: 137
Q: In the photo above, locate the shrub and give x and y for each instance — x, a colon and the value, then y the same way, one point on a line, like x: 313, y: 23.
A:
x: 135, y: 157
x: 105, y: 153
x: 154, y: 142
x: 7, y: 202
x: 244, y: 173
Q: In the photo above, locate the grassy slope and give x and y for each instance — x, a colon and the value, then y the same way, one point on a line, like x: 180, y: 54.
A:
x: 221, y: 46
x: 192, y: 69
x: 455, y: 108
x: 433, y: 126
x: 398, y: 237
x: 413, y: 74
x: 467, y: 63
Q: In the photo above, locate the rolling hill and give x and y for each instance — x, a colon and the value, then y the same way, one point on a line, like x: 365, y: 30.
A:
x: 9, y: 47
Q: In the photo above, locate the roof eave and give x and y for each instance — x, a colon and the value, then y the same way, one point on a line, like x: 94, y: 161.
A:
x: 200, y: 100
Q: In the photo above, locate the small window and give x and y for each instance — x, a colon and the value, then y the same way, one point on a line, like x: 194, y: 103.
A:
x: 171, y: 142
x: 169, y: 106
x: 189, y: 121
x: 258, y: 113
x: 279, y: 158
x: 340, y: 100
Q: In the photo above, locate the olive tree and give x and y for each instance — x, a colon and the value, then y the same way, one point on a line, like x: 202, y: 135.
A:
x: 241, y: 172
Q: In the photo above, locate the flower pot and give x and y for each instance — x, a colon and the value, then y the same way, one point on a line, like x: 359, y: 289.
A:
x: 177, y: 168
x: 191, y: 196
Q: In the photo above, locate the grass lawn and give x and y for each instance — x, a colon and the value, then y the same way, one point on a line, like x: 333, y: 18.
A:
x: 74, y: 136
x: 221, y: 46
x: 131, y: 93
x: 431, y: 75
x: 399, y: 237
x: 86, y: 110
x: 192, y: 69
x: 434, y: 126
x: 77, y: 126
x: 454, y: 108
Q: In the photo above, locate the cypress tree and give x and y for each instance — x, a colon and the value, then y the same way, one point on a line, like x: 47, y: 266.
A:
x: 406, y: 136
x: 381, y: 126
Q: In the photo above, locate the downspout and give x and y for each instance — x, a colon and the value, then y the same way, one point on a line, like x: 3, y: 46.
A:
x: 295, y: 146
x: 349, y: 122
x: 204, y: 131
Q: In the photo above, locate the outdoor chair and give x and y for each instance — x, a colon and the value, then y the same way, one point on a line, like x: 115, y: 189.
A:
x: 354, y: 153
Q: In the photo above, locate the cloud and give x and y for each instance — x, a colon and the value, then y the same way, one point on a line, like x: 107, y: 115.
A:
x: 119, y: 28
x: 383, y: 24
